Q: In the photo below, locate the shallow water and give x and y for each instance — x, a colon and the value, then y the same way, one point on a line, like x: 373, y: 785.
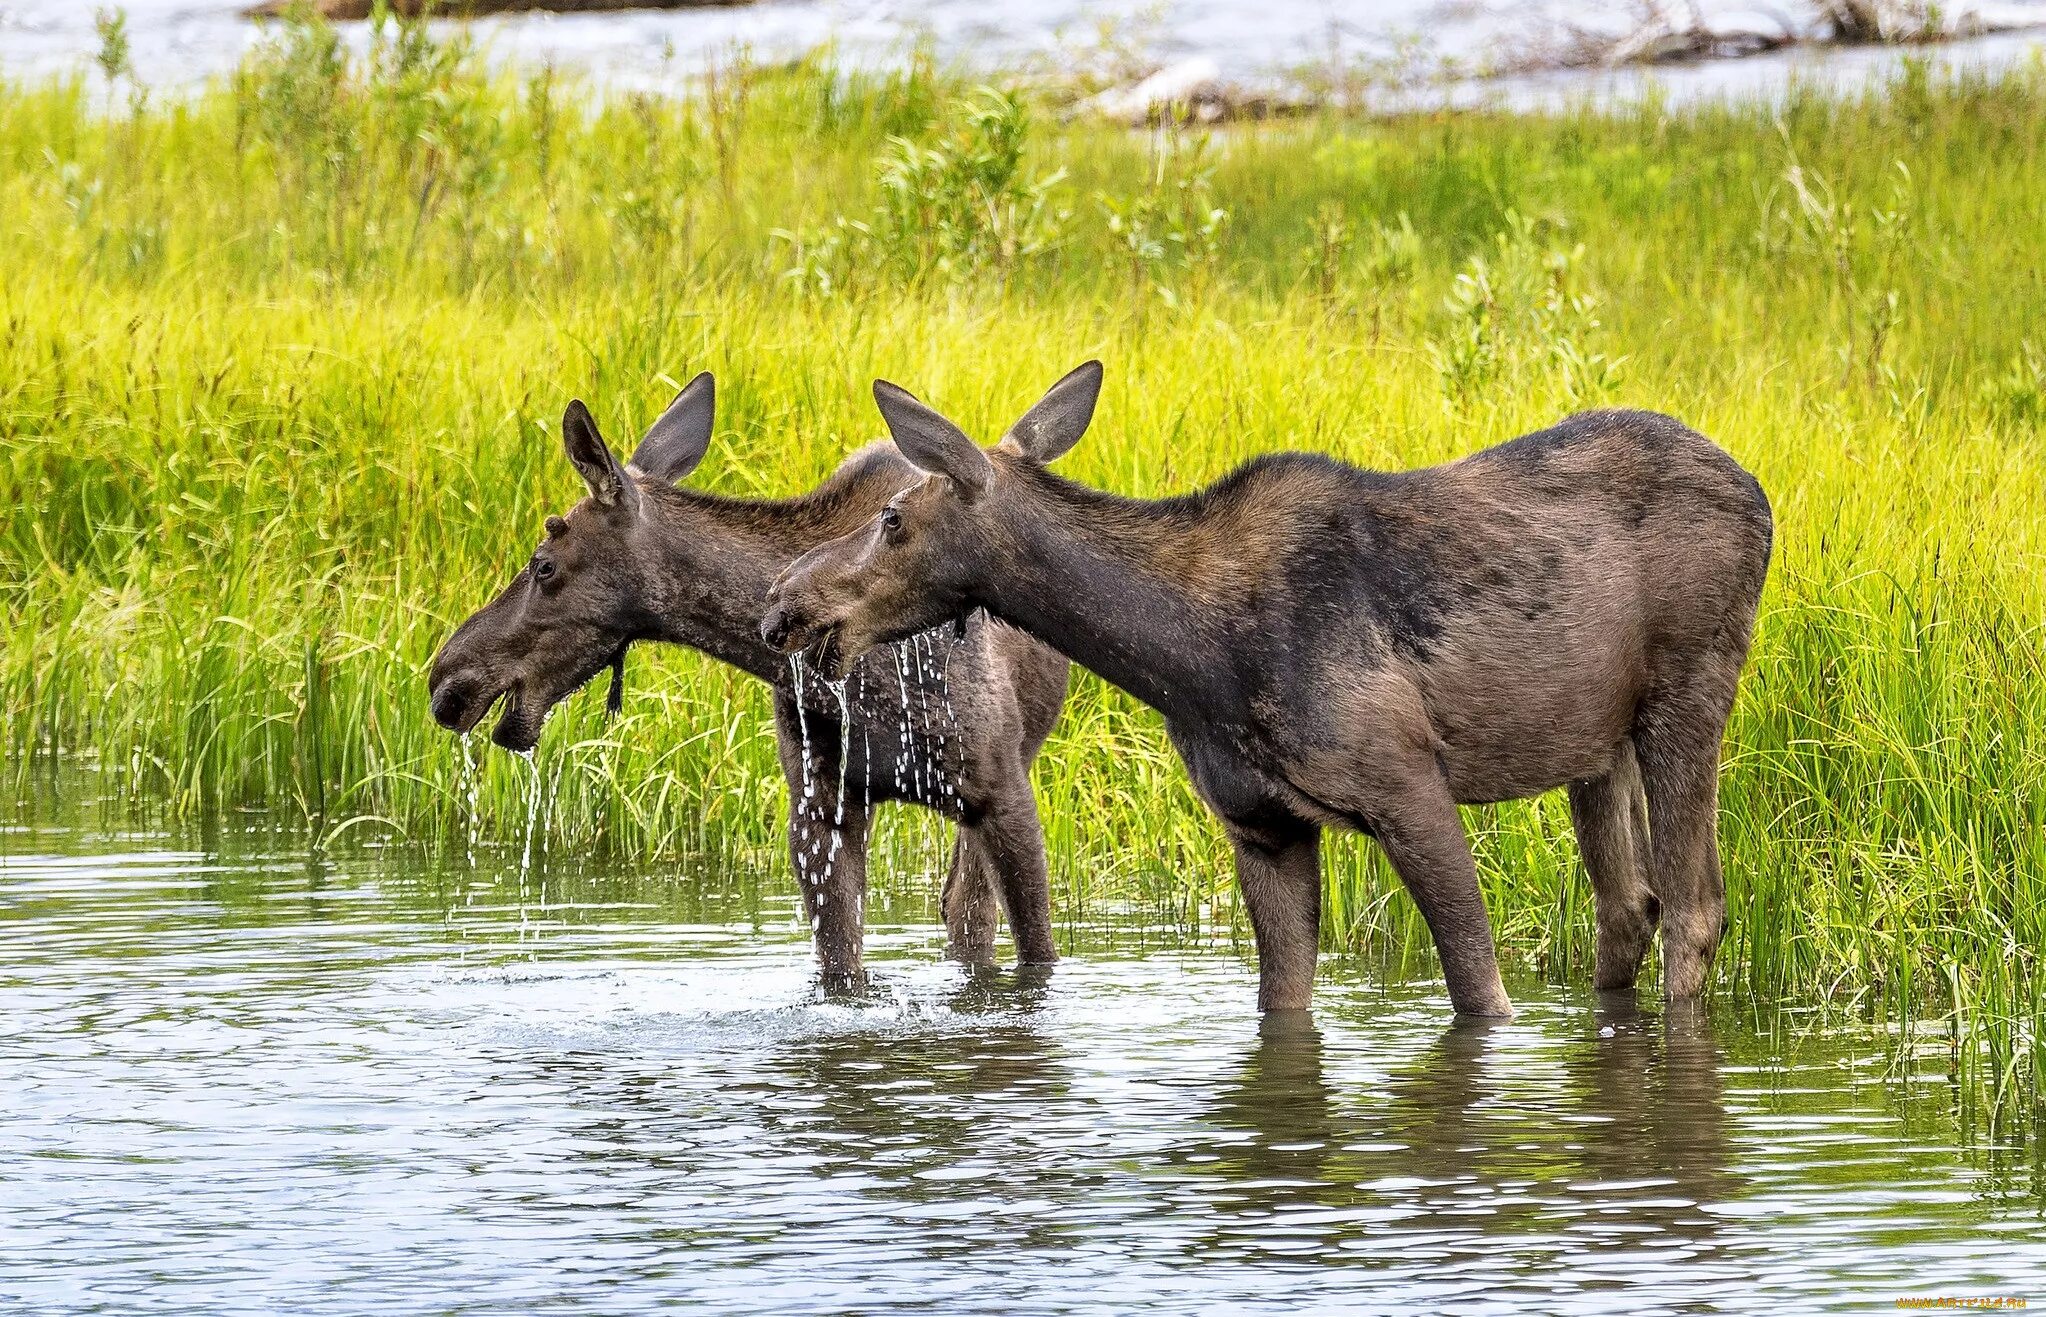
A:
x: 236, y: 1079
x: 179, y: 43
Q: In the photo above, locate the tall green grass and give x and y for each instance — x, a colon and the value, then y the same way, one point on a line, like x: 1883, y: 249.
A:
x: 281, y: 365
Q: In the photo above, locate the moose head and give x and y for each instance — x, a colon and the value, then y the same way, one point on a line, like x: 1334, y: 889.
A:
x: 924, y: 559
x: 591, y: 588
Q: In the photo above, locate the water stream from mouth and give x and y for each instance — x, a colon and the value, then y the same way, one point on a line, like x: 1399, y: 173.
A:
x: 801, y: 853
x: 534, y: 798
x: 802, y: 725
x: 838, y: 692
x: 470, y: 784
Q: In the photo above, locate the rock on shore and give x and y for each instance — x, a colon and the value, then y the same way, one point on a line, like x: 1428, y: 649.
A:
x: 344, y: 10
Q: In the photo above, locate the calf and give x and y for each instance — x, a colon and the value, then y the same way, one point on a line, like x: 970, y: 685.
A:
x: 642, y: 559
x: 1333, y: 646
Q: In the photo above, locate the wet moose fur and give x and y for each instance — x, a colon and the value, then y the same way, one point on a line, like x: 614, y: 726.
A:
x: 642, y: 559
x: 1337, y: 647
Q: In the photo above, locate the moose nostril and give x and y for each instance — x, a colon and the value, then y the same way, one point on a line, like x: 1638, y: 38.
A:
x: 774, y: 628
x: 450, y: 699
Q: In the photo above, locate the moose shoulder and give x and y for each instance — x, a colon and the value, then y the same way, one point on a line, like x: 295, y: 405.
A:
x: 644, y: 558
x: 1332, y: 646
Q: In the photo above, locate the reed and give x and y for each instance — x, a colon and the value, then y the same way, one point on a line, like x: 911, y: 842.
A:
x: 281, y: 366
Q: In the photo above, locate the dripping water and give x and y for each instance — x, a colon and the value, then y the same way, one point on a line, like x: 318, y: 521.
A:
x: 532, y: 827
x: 951, y: 648
x: 923, y: 714
x: 532, y: 812
x: 801, y: 808
x: 866, y: 755
x: 550, y: 805
x: 940, y: 675
x: 934, y: 779
x: 837, y: 689
x: 908, y: 773
x: 934, y: 736
x: 866, y: 787
x: 823, y: 881
x: 815, y: 861
x: 471, y: 786
x: 952, y: 645
x: 803, y: 724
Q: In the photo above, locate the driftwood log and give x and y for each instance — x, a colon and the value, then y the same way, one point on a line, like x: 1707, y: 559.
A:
x: 346, y: 10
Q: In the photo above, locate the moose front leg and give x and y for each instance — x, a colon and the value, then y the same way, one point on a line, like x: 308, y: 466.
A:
x: 827, y: 842
x: 1415, y: 820
x: 1012, y: 841
x: 829, y: 852
x: 1279, y: 872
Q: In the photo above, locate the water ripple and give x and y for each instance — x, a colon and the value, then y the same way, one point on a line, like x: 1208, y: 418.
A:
x: 259, y: 1083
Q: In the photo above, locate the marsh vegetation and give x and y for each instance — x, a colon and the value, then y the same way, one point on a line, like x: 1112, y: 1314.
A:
x: 280, y: 368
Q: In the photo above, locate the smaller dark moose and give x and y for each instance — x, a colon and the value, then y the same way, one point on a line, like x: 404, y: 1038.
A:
x: 951, y: 723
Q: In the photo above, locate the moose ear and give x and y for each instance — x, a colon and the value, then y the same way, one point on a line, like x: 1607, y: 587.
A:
x: 608, y: 483
x: 1050, y: 429
x: 676, y: 442
x: 932, y: 442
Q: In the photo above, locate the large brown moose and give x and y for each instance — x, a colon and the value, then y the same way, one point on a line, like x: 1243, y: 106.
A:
x: 1337, y: 647
x: 642, y: 559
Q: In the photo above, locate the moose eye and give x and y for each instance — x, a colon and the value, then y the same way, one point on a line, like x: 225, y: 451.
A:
x: 891, y: 522
x: 543, y: 570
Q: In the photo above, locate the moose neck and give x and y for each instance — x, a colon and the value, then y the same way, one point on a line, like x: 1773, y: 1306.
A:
x: 1091, y: 587
x: 711, y: 601
x: 718, y: 556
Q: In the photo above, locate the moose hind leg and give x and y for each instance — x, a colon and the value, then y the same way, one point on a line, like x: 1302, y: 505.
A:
x: 1677, y: 738
x: 968, y: 901
x: 1607, y: 813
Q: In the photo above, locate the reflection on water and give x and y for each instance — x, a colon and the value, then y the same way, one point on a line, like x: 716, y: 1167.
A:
x: 255, y: 1084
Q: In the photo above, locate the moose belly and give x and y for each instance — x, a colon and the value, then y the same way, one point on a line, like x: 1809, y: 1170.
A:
x: 1525, y: 711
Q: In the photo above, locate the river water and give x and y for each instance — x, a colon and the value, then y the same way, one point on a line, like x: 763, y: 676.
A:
x: 179, y: 43
x: 239, y: 1078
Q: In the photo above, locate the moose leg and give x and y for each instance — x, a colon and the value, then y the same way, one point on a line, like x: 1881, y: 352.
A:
x: 827, y: 845
x: 1607, y: 813
x: 1279, y: 872
x: 830, y: 857
x: 1012, y: 840
x: 1417, y: 824
x: 968, y: 901
x: 1677, y: 736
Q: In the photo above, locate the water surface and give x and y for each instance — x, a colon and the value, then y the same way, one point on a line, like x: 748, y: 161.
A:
x: 236, y: 1079
x: 179, y: 43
